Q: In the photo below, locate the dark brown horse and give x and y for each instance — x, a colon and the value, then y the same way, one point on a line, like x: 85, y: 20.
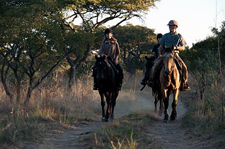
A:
x: 170, y: 81
x: 106, y: 78
x: 155, y: 90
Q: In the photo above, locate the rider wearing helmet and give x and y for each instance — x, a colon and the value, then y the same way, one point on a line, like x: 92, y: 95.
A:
x: 176, y: 41
x: 155, y: 48
x: 155, y: 51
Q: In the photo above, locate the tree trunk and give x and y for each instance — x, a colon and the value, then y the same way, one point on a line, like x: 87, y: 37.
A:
x: 29, y: 90
x: 18, y: 92
x: 72, y: 77
x: 75, y: 65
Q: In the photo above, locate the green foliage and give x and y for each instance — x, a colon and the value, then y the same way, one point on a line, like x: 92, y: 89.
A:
x: 134, y: 41
x: 206, y: 116
x: 31, y: 41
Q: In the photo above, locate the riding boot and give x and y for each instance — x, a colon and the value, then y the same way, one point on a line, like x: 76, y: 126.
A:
x: 143, y: 81
x: 184, y: 87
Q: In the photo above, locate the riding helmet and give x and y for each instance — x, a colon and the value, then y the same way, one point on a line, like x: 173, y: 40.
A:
x: 173, y: 22
x: 159, y: 36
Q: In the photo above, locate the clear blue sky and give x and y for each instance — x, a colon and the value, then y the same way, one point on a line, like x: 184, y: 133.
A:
x: 196, y: 18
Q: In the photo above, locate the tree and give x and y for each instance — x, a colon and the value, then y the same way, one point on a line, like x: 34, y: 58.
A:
x: 95, y: 13
x: 134, y: 41
x: 31, y: 43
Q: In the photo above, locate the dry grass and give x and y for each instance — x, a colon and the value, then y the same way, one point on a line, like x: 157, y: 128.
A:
x: 204, y: 117
x: 128, y: 133
x: 52, y: 104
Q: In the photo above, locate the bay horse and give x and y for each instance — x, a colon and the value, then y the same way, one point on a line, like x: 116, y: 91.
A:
x: 106, y: 78
x: 155, y: 90
x: 170, y: 81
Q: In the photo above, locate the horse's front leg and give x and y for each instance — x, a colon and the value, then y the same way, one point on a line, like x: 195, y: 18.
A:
x: 109, y: 104
x: 166, y: 104
x: 160, y: 103
x: 102, y: 104
x: 156, y: 101
x: 174, y: 104
x: 115, y: 95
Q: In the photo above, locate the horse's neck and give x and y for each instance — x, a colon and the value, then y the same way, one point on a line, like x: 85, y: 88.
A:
x: 110, y: 74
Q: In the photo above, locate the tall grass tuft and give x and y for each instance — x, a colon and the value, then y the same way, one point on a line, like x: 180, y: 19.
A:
x: 204, y: 117
x: 51, y: 105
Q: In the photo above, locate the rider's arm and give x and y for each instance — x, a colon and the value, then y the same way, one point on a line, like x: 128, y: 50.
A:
x: 160, y: 50
x: 117, y: 53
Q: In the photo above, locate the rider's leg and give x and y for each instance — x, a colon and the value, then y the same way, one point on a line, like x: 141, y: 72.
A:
x: 184, y: 83
x: 155, y: 67
x: 120, y: 76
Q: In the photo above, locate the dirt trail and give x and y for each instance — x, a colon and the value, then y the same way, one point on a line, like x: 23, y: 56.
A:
x: 172, y: 135
x: 169, y: 135
x: 73, y: 137
x: 65, y: 139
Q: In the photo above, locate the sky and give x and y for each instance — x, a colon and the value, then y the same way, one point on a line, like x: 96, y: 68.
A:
x: 195, y: 18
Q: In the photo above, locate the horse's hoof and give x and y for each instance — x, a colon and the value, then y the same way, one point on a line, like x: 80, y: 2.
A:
x: 104, y: 119
x: 172, y: 117
x: 165, y: 121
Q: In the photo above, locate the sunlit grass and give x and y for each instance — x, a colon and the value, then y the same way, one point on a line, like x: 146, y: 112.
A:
x: 52, y: 103
x: 125, y: 133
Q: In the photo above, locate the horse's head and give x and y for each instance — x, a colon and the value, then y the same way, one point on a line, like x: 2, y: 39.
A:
x: 101, y: 67
x: 149, y: 63
x: 168, y: 61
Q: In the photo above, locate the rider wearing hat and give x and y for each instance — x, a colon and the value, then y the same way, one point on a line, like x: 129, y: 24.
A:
x: 110, y: 48
x: 176, y: 41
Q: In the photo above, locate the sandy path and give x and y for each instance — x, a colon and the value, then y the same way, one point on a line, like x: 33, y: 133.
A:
x: 73, y: 137
x: 172, y: 135
x: 65, y: 139
x: 169, y: 135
